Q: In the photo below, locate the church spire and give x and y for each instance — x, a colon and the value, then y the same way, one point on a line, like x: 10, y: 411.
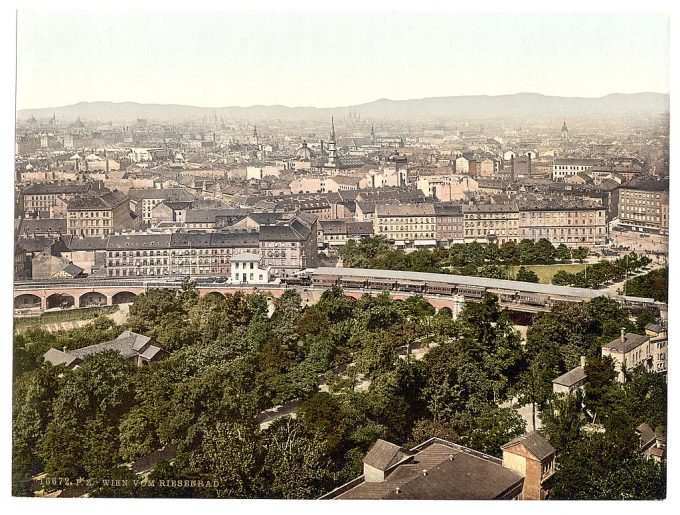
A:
x: 332, y: 129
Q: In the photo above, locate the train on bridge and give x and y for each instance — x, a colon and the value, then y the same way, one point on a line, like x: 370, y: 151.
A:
x: 509, y: 293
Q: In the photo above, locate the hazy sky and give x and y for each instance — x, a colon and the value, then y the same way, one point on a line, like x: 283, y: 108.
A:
x: 328, y: 59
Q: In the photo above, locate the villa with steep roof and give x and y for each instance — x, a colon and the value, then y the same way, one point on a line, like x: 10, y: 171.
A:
x: 137, y: 348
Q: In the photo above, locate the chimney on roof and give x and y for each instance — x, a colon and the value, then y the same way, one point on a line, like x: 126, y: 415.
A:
x: 450, y: 457
x: 512, y: 167
x: 397, y: 490
x: 64, y: 349
x: 424, y: 472
x: 583, y: 361
x: 623, y: 335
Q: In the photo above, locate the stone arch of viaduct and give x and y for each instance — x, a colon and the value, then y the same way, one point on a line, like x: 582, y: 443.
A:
x: 81, y: 297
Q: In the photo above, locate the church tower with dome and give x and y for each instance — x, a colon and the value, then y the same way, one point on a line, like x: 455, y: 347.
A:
x: 304, y: 153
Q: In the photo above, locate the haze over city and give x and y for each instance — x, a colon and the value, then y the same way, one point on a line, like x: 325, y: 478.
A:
x: 331, y: 59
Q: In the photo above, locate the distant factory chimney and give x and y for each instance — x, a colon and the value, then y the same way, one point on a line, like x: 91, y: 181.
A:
x: 529, y: 157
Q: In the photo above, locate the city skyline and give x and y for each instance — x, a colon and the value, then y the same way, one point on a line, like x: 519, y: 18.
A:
x: 331, y: 59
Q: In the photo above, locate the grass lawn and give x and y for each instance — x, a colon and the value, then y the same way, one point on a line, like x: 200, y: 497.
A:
x: 67, y: 315
x: 545, y: 273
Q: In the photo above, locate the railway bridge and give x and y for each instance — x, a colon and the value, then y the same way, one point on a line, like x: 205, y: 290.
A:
x: 440, y: 290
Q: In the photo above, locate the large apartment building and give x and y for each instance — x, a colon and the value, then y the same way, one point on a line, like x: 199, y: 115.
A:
x: 142, y: 201
x: 568, y: 167
x: 40, y: 199
x: 286, y: 244
x: 643, y: 205
x: 449, y: 223
x: 98, y: 215
x: 571, y: 221
x: 406, y: 223
x: 491, y: 223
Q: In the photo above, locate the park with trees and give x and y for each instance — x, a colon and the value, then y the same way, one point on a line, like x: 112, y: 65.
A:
x: 232, y: 358
x: 509, y: 260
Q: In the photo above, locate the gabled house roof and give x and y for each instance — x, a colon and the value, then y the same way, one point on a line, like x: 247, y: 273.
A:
x: 571, y: 378
x: 534, y: 443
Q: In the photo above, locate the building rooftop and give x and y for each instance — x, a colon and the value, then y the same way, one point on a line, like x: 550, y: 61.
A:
x: 103, y: 202
x: 44, y: 225
x: 578, y: 162
x: 437, y: 470
x: 173, y: 194
x: 419, y: 209
x: 626, y: 343
x: 483, y: 282
x: 571, y: 378
x: 535, y: 443
x: 383, y: 454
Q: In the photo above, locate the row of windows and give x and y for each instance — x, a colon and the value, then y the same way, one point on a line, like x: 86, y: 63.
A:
x: 561, y: 231
x: 88, y: 223
x: 410, y: 220
x: 502, y: 216
x: 638, y: 209
x: 562, y: 214
x: 89, y: 214
x: 412, y: 235
x: 571, y: 167
x: 471, y: 232
x: 245, y: 266
x: 88, y: 232
x: 183, y: 252
x: 638, y: 194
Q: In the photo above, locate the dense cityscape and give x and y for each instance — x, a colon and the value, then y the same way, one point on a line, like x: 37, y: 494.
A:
x: 365, y: 296
x: 448, y: 293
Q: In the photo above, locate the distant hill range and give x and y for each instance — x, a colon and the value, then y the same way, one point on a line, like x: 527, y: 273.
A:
x: 520, y: 106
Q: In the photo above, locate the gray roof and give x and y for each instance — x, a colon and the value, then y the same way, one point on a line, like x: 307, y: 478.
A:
x: 574, y: 376
x: 647, y: 183
x: 483, y: 282
x: 128, y: 344
x: 103, y: 202
x: 176, y: 205
x: 578, y: 162
x: 213, y: 240
x: 57, y: 357
x: 529, y: 202
x: 647, y: 434
x: 359, y: 228
x: 657, y: 328
x: 66, y: 188
x: 44, y: 225
x: 448, y: 209
x: 333, y: 226
x: 626, y: 344
x: 491, y: 208
x: 383, y: 454
x: 174, y: 194
x: 209, y: 216
x: 88, y: 243
x: 419, y: 209
x: 452, y: 473
x: 535, y: 444
x: 139, y: 241
x: 72, y: 270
